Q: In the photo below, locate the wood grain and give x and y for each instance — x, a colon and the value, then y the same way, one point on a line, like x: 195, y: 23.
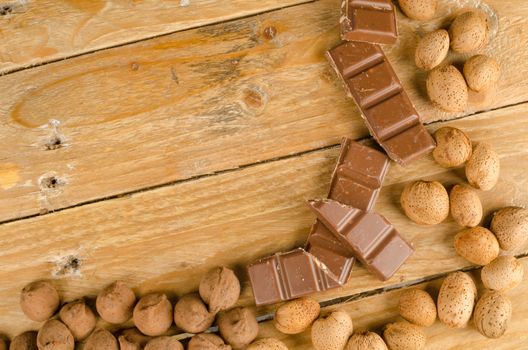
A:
x: 38, y: 31
x: 203, y: 101
x: 167, y: 238
x: 372, y: 313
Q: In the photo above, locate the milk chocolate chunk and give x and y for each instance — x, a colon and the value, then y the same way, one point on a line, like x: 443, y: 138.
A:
x: 388, y: 112
x: 368, y: 20
x: 374, y: 241
x: 290, y: 275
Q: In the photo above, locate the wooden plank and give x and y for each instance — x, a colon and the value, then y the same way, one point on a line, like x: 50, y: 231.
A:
x: 166, y: 239
x: 372, y: 313
x: 198, y: 102
x: 39, y: 31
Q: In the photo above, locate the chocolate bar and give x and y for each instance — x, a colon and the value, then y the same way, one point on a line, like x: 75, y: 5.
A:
x: 388, y: 112
x: 374, y: 241
x: 368, y: 20
x: 356, y: 181
x: 286, y: 276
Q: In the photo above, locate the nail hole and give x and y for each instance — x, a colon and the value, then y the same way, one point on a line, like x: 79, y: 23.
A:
x: 54, y: 143
x: 50, y: 182
x: 68, y: 265
x: 5, y: 10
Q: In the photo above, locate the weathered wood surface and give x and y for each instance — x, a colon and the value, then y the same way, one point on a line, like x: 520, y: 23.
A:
x: 372, y: 313
x: 202, y: 101
x: 167, y: 238
x: 38, y: 31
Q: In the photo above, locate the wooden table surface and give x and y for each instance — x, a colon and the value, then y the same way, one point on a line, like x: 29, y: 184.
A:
x: 150, y: 141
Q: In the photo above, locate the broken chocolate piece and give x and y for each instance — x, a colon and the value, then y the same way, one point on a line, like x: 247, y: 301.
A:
x: 368, y: 20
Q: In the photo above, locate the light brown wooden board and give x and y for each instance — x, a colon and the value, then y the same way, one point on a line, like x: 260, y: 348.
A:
x: 372, y: 313
x: 38, y: 31
x: 166, y: 239
x: 202, y: 101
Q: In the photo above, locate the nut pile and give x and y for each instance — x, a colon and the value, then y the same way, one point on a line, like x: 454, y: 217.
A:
x: 153, y: 315
x: 469, y: 33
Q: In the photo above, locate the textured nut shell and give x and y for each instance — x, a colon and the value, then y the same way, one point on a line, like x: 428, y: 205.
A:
x: 447, y: 88
x: 492, y: 314
x: 220, y: 289
x: 207, y: 341
x: 481, y: 72
x: 54, y: 335
x: 418, y: 307
x: 101, y: 339
x: 478, y: 245
x: 483, y: 167
x: 267, y: 344
x: 297, y: 315
x: 238, y: 327
x: 419, y: 9
x: 153, y: 314
x: 24, y: 341
x: 164, y: 343
x: 503, y: 273
x: 404, y: 336
x: 453, y: 147
x: 425, y: 202
x: 115, y: 303
x: 432, y: 49
x: 469, y: 31
x: 510, y: 226
x: 366, y: 341
x: 332, y: 332
x: 456, y: 299
x: 79, y: 318
x: 39, y: 300
x: 466, y: 207
x: 191, y: 314
x: 132, y: 339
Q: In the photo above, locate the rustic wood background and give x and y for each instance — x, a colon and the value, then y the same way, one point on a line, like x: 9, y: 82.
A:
x: 150, y: 141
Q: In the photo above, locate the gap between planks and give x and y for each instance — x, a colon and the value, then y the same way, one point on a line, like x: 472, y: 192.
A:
x: 234, y: 169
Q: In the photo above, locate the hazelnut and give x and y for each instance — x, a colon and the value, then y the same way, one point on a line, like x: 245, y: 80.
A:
x: 483, y: 167
x: 115, y: 303
x: 220, y: 289
x: 332, y: 332
x: 132, y: 339
x: 24, y: 341
x: 456, y: 299
x: 503, y: 273
x: 79, y: 318
x: 492, y: 314
x: 164, y: 343
x: 101, y: 339
x: 469, y: 31
x: 466, y: 207
x: 422, y: 10
x: 366, y: 341
x: 477, y: 245
x: 296, y: 316
x: 447, y: 89
x: 453, y: 147
x: 207, y: 341
x: 267, y: 344
x: 404, y: 336
x: 481, y: 72
x: 432, y: 49
x: 238, y: 326
x: 39, y: 301
x: 54, y: 335
x: 425, y: 202
x: 417, y: 306
x: 191, y: 314
x: 510, y: 226
x: 153, y: 314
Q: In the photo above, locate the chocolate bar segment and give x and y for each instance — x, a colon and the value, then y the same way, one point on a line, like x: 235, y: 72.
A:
x: 286, y: 276
x: 368, y: 20
x: 374, y: 241
x: 388, y: 112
